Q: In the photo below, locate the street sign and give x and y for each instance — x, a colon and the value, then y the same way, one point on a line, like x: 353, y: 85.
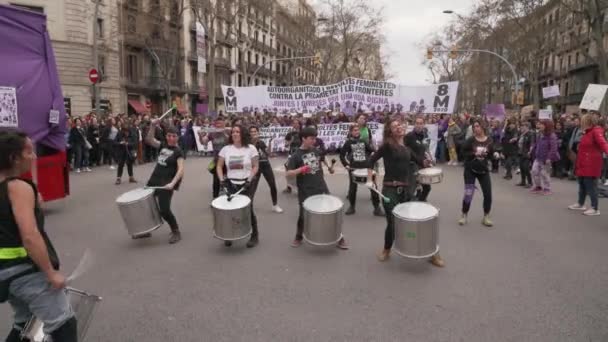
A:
x: 93, y: 76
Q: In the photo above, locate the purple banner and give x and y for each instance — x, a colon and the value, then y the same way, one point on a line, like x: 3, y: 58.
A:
x: 494, y: 111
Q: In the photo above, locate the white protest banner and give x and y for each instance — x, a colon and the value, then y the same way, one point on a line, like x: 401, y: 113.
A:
x: 545, y: 114
x: 8, y: 107
x: 593, y: 96
x: 348, y: 96
x: 334, y: 135
x: 551, y: 91
x: 197, y: 130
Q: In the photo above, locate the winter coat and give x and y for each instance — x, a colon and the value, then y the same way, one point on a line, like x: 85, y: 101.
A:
x: 453, y: 132
x: 545, y: 148
x: 589, y: 161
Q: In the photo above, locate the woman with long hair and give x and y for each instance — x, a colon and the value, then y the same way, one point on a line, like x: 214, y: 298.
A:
x: 292, y: 143
x: 477, y: 151
x: 544, y: 153
x: 241, y: 160
x: 265, y: 168
x: 80, y: 146
x: 398, y: 160
x: 589, y: 164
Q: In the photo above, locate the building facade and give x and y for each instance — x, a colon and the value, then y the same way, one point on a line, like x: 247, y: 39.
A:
x: 73, y: 45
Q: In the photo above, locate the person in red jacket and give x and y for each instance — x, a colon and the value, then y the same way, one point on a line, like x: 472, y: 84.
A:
x: 589, y: 164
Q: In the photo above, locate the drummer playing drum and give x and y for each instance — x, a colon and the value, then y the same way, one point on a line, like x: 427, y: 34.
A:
x: 355, y: 154
x: 418, y: 141
x: 305, y: 165
x: 167, y: 175
x: 398, y: 170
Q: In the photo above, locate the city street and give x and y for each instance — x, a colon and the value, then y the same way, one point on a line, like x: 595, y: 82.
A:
x: 539, y: 274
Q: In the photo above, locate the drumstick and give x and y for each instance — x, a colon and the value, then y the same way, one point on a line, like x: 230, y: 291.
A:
x: 236, y: 193
x: 384, y: 198
x: 167, y: 112
x: 84, y: 265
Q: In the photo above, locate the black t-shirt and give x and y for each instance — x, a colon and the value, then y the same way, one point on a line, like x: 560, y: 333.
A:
x: 418, y: 142
x: 263, y: 154
x: 312, y: 183
x: 294, y: 137
x: 166, y: 166
x: 9, y: 230
x: 472, y: 161
x: 355, y: 153
x: 397, y: 161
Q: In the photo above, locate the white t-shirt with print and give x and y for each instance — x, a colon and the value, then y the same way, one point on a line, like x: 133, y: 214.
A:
x: 238, y: 160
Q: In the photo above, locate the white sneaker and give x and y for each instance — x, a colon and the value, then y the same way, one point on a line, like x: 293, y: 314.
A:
x: 77, y: 170
x: 277, y: 209
x: 112, y: 167
x: 606, y: 183
x: 88, y: 169
x: 577, y: 207
x: 591, y: 212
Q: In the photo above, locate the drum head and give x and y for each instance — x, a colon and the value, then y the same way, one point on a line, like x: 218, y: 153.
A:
x: 360, y: 173
x: 430, y: 171
x: 237, y: 202
x: 323, y: 204
x: 415, y: 211
x: 134, y: 195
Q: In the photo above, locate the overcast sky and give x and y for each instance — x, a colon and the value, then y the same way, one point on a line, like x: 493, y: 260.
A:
x: 407, y: 23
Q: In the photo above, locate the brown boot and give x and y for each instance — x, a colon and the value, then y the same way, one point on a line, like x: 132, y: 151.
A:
x: 384, y: 255
x: 132, y: 180
x: 437, y: 261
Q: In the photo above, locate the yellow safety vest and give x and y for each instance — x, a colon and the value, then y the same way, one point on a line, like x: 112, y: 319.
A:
x: 10, y: 253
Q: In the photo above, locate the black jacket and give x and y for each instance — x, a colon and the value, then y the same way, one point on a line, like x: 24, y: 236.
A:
x: 417, y: 142
x: 355, y: 153
x: 509, y: 148
x: 131, y: 138
x: 525, y: 142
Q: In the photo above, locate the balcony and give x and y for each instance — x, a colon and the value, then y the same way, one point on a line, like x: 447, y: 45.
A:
x: 135, y: 39
x: 153, y: 84
x: 223, y: 63
x: 584, y: 64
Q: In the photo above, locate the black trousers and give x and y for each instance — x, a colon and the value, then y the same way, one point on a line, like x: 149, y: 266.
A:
x: 107, y: 153
x: 352, y: 192
x: 485, y: 182
x: 122, y: 160
x: 510, y: 162
x: 397, y: 195
x: 234, y: 188
x: 524, y: 167
x: 266, y: 171
x: 163, y: 198
x: 423, y: 193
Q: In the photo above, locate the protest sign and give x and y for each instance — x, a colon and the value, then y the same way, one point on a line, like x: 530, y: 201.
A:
x: 593, y: 96
x: 545, y: 114
x: 551, y: 91
x: 348, y: 96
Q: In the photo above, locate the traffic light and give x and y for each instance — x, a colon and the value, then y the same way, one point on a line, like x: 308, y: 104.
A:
x: 316, y: 60
x: 429, y: 53
x: 454, y: 52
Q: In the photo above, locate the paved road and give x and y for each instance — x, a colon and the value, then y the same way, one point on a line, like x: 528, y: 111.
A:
x: 539, y: 275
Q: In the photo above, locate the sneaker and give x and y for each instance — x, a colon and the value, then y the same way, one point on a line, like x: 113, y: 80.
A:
x: 174, y: 237
x: 378, y: 212
x: 437, y: 261
x: 141, y: 236
x: 118, y: 181
x: 78, y: 170
x: 384, y: 255
x: 521, y: 184
x: 350, y: 211
x: 287, y: 190
x: 591, y: 212
x: 606, y: 183
x: 463, y: 220
x: 252, y: 242
x: 227, y: 243
x: 486, y: 221
x: 88, y: 169
x: 112, y: 167
x: 277, y: 209
x: 547, y: 192
x: 536, y: 191
x: 132, y: 180
x: 577, y: 206
x: 296, y: 243
x: 342, y: 244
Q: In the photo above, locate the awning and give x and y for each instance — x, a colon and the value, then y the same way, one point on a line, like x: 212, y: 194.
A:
x: 138, y: 107
x: 181, y: 109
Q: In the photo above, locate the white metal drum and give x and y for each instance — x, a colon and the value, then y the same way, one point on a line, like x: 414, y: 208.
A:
x: 231, y: 219
x: 416, y: 230
x: 83, y: 304
x: 360, y: 176
x: 323, y: 216
x: 430, y: 175
x: 139, y: 211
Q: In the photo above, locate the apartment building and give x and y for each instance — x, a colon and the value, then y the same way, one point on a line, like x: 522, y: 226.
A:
x: 70, y: 25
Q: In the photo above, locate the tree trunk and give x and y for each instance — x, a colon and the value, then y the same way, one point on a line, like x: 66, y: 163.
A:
x: 211, y: 77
